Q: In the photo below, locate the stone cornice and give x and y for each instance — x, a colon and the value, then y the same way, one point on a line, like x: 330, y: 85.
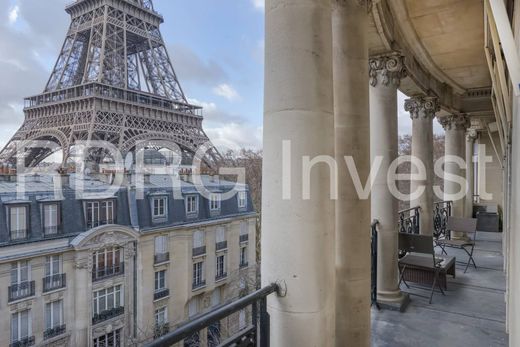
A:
x: 387, y: 69
x: 362, y: 3
x: 422, y: 106
x: 455, y: 122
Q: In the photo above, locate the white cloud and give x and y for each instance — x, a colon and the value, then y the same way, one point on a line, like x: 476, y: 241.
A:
x: 226, y: 91
x: 13, y: 14
x: 235, y: 136
x: 259, y: 4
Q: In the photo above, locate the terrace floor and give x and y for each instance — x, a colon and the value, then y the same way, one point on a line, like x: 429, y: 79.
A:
x: 473, y: 312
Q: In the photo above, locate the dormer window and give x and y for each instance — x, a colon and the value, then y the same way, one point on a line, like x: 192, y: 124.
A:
x: 51, y: 219
x: 214, y: 202
x: 100, y: 213
x: 192, y: 205
x: 18, y: 222
x: 160, y: 207
x: 242, y: 199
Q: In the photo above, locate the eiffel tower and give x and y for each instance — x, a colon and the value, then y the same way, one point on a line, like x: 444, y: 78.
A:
x: 113, y: 81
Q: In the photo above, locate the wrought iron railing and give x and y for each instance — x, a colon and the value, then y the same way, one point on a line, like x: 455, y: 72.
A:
x: 19, y: 234
x: 220, y: 276
x: 441, y: 211
x: 198, y: 284
x: 52, y: 231
x: 161, y: 330
x: 221, y: 245
x: 21, y: 290
x: 54, y: 282
x: 256, y: 334
x: 409, y: 220
x: 108, y: 314
x: 53, y: 332
x: 99, y: 274
x: 161, y: 258
x: 96, y: 223
x: 373, y: 255
x: 244, y: 238
x: 198, y: 251
x: 25, y: 342
x: 161, y: 293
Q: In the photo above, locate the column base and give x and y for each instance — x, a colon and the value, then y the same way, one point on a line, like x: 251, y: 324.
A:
x: 395, y: 301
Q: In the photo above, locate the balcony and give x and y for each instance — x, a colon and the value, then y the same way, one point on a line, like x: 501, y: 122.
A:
x: 244, y: 264
x: 99, y: 274
x: 221, y: 245
x: 54, y: 282
x: 198, y: 284
x: 97, y: 223
x: 108, y: 314
x: 244, y: 238
x: 25, y: 342
x: 21, y: 291
x: 161, y: 330
x: 161, y: 293
x: 161, y: 258
x: 199, y: 251
x: 220, y: 276
x: 54, y: 332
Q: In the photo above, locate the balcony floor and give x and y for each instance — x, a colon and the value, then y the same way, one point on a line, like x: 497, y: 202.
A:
x: 473, y: 312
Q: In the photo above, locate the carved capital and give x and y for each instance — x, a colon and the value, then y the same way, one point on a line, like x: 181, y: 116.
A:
x: 387, y: 69
x: 422, y: 106
x: 471, y: 135
x: 362, y: 3
x: 455, y: 122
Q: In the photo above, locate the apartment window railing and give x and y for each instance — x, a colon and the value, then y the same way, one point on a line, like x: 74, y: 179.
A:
x: 409, y: 220
x: 99, y: 274
x: 161, y: 293
x: 25, y: 342
x: 97, y: 223
x: 220, y: 276
x: 51, y: 231
x: 441, y: 212
x: 256, y: 332
x: 161, y: 330
x: 244, y: 264
x: 198, y: 284
x: 198, y: 251
x: 244, y: 238
x: 161, y: 258
x: 19, y: 234
x: 108, y: 314
x: 221, y: 245
x: 53, y: 332
x: 54, y: 282
x: 21, y: 291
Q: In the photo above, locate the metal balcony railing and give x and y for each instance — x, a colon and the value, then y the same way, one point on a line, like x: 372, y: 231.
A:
x: 161, y: 330
x: 244, y: 264
x: 53, y: 332
x: 54, y: 282
x: 108, y: 314
x: 441, y: 212
x: 19, y: 234
x: 221, y: 245
x: 96, y: 223
x: 25, y: 342
x: 161, y: 293
x: 99, y: 274
x: 409, y: 220
x: 21, y: 291
x: 198, y: 284
x: 198, y: 251
x: 51, y: 231
x: 220, y: 276
x: 244, y: 238
x: 161, y: 258
x: 256, y: 334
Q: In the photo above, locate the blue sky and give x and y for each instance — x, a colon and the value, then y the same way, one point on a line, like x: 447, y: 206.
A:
x: 217, y: 49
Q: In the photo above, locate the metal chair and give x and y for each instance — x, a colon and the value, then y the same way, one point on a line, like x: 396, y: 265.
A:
x: 466, y: 225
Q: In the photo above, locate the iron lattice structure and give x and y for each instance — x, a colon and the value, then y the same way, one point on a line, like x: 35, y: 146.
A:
x: 113, y: 81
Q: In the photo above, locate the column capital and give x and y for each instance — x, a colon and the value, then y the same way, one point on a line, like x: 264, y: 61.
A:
x: 471, y: 135
x: 387, y: 69
x: 455, y: 122
x: 362, y: 3
x: 422, y: 106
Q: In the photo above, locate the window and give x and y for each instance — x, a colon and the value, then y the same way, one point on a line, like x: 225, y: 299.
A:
x: 21, y: 284
x: 192, y: 204
x: 160, y: 206
x: 199, y: 245
x: 243, y: 256
x: 198, y: 275
x: 160, y: 280
x: 244, y: 233
x: 20, y: 326
x: 100, y: 213
x: 51, y: 222
x: 221, y: 266
x: 107, y: 299
x: 52, y: 265
x: 53, y: 314
x: 220, y: 239
x: 161, y: 249
x: 107, y: 263
x: 20, y: 272
x: 242, y: 199
x: 161, y: 317
x: 214, y: 202
x: 53, y: 278
x: 112, y: 339
x: 216, y: 297
x: 193, y: 307
x: 18, y: 222
x: 242, y: 323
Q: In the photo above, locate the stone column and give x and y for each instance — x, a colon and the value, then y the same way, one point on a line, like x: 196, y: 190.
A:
x: 352, y: 138
x: 386, y: 73
x: 471, y: 136
x: 422, y: 111
x: 298, y: 233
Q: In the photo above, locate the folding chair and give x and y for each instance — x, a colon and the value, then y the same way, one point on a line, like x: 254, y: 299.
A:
x: 418, y: 249
x: 466, y: 225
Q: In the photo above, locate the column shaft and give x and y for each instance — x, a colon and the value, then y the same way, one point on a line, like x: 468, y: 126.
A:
x: 385, y: 72
x: 352, y: 138
x: 470, y: 173
x: 298, y: 233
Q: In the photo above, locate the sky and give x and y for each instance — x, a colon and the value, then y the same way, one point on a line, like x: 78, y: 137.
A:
x: 216, y: 46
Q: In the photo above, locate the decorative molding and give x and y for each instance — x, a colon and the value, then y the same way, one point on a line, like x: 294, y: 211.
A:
x: 455, y: 122
x: 362, y: 3
x: 471, y: 135
x: 387, y: 69
x: 422, y: 106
